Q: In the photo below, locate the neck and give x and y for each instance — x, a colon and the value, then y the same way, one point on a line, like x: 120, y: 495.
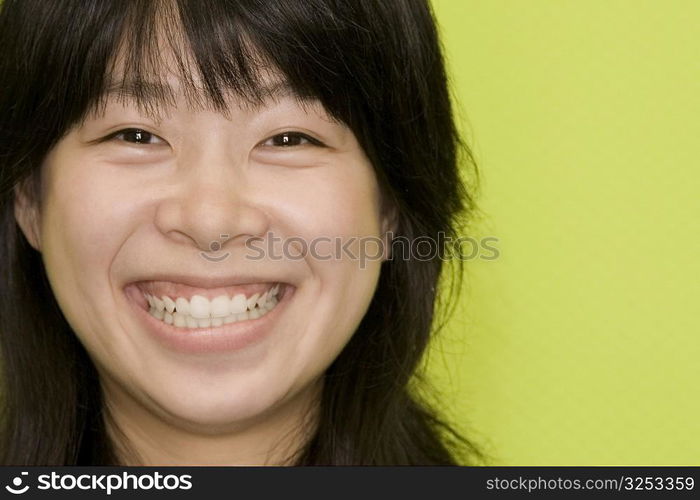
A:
x: 142, y: 437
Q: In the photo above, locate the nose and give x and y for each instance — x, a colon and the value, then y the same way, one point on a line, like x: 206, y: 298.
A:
x: 212, y: 204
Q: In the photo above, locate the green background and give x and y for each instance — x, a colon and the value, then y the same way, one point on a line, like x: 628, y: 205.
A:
x: 580, y: 344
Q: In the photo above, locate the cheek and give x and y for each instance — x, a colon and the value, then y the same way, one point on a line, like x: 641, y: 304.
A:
x: 85, y: 219
x: 86, y: 215
x: 329, y: 202
x: 337, y: 209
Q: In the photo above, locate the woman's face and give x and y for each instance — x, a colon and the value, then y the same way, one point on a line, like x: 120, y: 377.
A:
x: 157, y: 245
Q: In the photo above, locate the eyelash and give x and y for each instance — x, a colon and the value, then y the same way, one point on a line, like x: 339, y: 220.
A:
x: 137, y: 131
x: 291, y: 135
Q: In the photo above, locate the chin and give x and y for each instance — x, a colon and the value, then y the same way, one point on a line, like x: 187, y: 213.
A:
x: 216, y: 409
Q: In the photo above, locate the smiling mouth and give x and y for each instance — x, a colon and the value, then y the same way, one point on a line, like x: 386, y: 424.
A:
x: 189, y: 308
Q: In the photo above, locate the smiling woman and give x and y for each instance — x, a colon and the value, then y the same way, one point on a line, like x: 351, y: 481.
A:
x: 143, y: 146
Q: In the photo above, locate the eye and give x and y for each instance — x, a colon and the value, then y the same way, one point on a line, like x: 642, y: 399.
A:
x: 290, y: 139
x: 136, y: 136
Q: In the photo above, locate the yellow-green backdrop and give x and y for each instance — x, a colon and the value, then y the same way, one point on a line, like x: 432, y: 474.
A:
x: 580, y: 344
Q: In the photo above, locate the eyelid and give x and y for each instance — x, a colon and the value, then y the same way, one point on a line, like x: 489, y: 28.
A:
x: 114, y: 134
x: 311, y: 140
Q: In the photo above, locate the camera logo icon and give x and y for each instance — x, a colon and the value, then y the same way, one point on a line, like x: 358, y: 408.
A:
x: 215, y: 246
x: 17, y: 482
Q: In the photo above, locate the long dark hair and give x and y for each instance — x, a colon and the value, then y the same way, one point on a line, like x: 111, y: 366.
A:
x: 375, y: 65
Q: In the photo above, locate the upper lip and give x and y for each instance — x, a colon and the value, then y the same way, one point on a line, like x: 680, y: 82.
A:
x: 210, y: 281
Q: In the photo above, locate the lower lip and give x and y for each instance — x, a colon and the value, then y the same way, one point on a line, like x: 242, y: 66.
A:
x: 228, y: 337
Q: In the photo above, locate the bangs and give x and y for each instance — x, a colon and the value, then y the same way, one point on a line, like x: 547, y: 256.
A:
x: 202, y: 52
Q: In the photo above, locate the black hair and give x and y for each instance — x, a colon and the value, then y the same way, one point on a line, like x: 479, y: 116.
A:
x: 375, y: 65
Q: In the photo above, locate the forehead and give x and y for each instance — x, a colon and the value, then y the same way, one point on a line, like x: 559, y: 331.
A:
x: 170, y: 72
x: 158, y: 97
x: 172, y: 92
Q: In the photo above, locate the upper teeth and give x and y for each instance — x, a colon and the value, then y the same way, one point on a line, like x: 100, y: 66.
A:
x: 199, y: 311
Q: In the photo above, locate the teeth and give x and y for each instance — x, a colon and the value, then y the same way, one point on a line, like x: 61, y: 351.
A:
x: 199, y: 307
x: 220, y: 307
x: 179, y: 320
x: 239, y: 304
x: 253, y: 300
x: 169, y: 304
x: 200, y: 312
x: 182, y: 305
x: 160, y: 306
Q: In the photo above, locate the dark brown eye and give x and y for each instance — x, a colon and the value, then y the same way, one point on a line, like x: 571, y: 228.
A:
x: 137, y: 136
x: 288, y: 139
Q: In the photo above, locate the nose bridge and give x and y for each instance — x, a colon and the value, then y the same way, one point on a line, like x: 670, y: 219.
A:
x: 210, y: 201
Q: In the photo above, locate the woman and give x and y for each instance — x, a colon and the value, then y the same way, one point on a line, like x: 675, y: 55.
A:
x: 166, y: 168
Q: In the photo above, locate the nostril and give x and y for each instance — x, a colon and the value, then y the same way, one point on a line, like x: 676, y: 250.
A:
x: 180, y: 237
